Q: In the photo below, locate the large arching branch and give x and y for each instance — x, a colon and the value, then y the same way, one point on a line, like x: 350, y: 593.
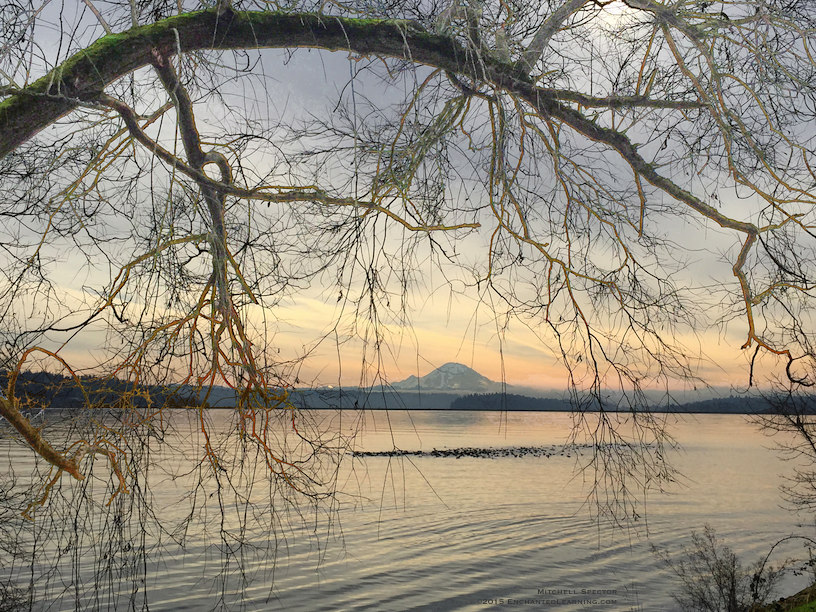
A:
x: 83, y: 77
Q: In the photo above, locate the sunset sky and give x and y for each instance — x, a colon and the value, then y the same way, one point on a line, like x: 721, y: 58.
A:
x: 468, y: 334
x: 446, y: 320
x: 451, y: 323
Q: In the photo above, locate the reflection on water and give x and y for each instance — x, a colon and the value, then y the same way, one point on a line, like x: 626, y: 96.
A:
x: 404, y: 532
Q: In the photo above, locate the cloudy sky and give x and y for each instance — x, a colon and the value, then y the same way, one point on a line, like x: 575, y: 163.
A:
x: 446, y: 317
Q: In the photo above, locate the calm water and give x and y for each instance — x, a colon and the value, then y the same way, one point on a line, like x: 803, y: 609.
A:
x: 416, y: 532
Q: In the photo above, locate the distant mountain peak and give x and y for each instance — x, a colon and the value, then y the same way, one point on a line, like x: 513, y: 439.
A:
x: 450, y: 377
x: 455, y: 368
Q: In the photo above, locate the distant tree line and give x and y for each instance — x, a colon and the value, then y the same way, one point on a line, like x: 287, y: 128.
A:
x: 508, y: 401
x: 357, y: 398
x: 37, y: 390
x: 725, y: 405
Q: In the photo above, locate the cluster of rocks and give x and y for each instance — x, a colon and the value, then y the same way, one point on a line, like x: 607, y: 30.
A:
x: 482, y: 453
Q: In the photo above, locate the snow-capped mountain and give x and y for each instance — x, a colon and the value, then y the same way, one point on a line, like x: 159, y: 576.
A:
x: 453, y: 377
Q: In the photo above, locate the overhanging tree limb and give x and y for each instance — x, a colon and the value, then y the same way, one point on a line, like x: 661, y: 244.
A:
x: 84, y: 76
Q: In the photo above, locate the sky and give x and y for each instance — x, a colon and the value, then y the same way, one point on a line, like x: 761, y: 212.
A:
x: 447, y: 321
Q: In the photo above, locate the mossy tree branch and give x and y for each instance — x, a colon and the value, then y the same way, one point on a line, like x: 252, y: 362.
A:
x: 84, y: 76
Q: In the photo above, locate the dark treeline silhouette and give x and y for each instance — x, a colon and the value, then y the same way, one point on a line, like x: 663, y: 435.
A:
x: 354, y: 397
x: 36, y: 390
x: 725, y: 405
x: 508, y: 401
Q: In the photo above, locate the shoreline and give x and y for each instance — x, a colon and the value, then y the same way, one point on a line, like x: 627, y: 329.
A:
x: 792, y: 602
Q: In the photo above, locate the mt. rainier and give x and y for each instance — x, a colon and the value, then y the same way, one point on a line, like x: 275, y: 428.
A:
x: 453, y: 377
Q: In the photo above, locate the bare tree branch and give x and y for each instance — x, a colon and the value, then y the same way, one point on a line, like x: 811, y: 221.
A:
x: 542, y: 37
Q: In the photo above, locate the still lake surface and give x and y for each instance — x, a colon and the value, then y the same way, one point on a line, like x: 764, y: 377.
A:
x: 441, y: 533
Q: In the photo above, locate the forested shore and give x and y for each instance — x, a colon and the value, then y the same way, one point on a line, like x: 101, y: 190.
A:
x: 37, y: 390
